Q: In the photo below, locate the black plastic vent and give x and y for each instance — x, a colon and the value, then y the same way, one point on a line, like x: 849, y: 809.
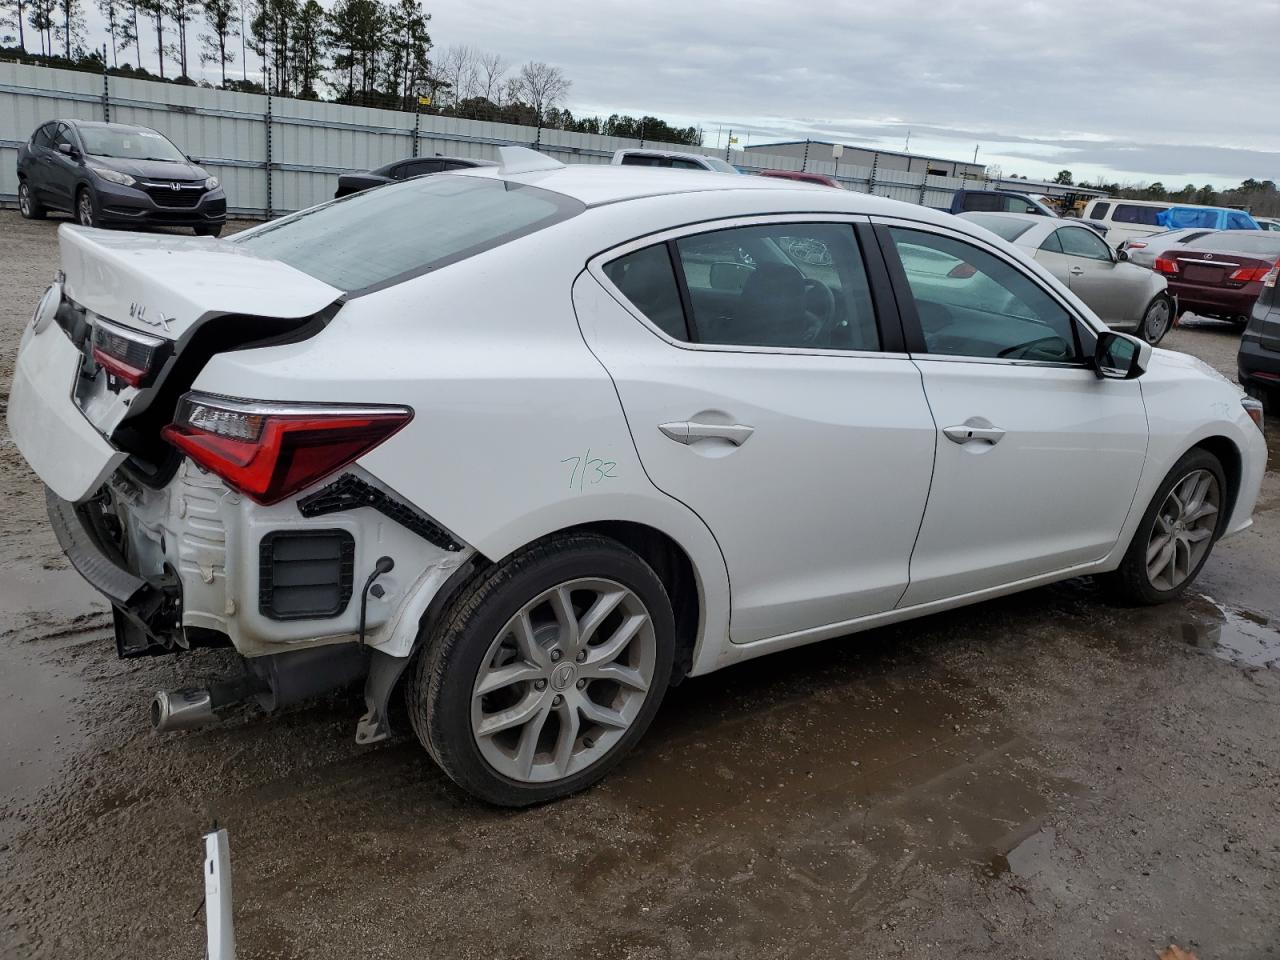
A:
x: 305, y: 574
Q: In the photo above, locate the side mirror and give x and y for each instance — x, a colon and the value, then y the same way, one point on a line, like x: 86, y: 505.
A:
x: 1122, y: 254
x: 730, y: 277
x: 1119, y: 356
x: 69, y: 150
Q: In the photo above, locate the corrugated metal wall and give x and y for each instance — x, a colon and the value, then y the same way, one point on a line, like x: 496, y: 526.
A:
x: 307, y: 144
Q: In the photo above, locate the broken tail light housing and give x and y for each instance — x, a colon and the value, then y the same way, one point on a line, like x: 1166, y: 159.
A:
x: 127, y: 354
x: 1166, y: 265
x: 1270, y: 279
x: 270, y: 451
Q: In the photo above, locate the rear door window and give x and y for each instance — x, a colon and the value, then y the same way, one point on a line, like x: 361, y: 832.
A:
x: 681, y: 164
x: 1100, y: 211
x: 380, y: 237
x: 416, y: 168
x: 44, y: 136
x: 800, y: 285
x: 640, y: 160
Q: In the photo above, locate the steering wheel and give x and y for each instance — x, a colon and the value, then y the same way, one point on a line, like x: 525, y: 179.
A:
x: 1025, y: 348
x: 820, y: 310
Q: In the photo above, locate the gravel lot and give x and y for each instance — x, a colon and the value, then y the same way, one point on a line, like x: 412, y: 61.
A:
x: 1041, y: 776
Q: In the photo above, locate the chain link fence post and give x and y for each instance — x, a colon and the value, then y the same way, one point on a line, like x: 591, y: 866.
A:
x: 268, y: 163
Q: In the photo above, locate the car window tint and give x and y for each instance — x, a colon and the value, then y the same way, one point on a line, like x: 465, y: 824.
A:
x: 973, y: 304
x: 1051, y: 243
x: 44, y: 136
x: 682, y: 164
x: 1082, y: 242
x: 382, y: 236
x: 1100, y: 211
x: 1132, y: 213
x: 647, y: 279
x: 640, y: 160
x: 780, y: 285
x: 416, y: 168
x: 63, y: 135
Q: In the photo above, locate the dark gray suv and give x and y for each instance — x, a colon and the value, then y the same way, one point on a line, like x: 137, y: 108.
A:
x: 114, y: 174
x: 1258, y: 361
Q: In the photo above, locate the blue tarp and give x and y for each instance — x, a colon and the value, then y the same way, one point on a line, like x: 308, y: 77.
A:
x: 1210, y: 218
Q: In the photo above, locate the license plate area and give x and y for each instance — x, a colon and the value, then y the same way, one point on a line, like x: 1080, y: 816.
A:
x: 1199, y: 273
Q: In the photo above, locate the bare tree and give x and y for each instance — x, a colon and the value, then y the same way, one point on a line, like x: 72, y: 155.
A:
x: 457, y: 68
x: 542, y: 86
x: 490, y: 70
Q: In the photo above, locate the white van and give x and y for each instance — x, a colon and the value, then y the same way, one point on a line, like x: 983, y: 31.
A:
x: 1126, y: 219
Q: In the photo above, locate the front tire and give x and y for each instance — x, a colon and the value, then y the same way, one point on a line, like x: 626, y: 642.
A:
x: 28, y: 205
x: 86, y: 208
x: 1157, y: 319
x: 545, y: 671
x: 1177, y: 533
x: 208, y: 231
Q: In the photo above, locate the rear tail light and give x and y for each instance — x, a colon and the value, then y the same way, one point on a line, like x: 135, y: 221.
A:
x: 1251, y: 274
x: 1166, y: 265
x: 962, y: 271
x: 127, y: 354
x: 1270, y: 279
x: 269, y: 451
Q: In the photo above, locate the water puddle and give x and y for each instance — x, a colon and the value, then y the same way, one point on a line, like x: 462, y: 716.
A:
x: 1237, y: 636
x: 44, y: 615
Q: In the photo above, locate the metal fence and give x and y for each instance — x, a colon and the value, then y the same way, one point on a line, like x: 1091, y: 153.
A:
x: 277, y: 155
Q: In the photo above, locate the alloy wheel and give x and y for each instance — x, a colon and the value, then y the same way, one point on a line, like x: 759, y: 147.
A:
x: 563, y: 680
x: 1183, y: 530
x: 85, y: 209
x: 1155, y: 324
x: 24, y: 200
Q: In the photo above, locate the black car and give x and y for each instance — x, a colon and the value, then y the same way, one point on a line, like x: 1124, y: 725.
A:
x: 350, y: 183
x: 115, y: 174
x: 1258, y: 361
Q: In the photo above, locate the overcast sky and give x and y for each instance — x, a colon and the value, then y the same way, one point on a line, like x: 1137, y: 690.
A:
x: 1175, y: 90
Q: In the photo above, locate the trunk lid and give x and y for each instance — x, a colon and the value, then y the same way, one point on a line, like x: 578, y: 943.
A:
x: 1215, y: 268
x: 172, y: 301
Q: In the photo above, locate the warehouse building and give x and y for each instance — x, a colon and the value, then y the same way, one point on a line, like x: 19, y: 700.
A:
x: 886, y: 160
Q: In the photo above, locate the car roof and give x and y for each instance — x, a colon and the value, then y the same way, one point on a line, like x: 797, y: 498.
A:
x: 599, y: 184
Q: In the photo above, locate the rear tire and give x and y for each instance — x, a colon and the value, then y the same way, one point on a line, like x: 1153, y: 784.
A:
x: 1185, y: 517
x: 1157, y: 319
x: 520, y: 702
x: 28, y: 205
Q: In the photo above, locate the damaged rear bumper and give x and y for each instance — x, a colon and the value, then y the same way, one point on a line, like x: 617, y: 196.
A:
x: 147, y: 613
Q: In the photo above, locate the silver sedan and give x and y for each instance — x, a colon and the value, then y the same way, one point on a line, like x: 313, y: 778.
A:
x: 1123, y: 295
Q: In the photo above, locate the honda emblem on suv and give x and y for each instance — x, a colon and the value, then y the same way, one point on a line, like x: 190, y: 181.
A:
x: 176, y: 185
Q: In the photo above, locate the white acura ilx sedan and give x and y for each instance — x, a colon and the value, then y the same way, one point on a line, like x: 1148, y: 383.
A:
x: 534, y: 442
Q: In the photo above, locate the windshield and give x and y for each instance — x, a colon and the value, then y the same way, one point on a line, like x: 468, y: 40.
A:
x: 129, y: 143
x: 1004, y: 227
x: 384, y: 236
x: 1262, y: 243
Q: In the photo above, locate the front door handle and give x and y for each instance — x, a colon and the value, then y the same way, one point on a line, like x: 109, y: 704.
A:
x: 1077, y: 271
x: 973, y: 430
x: 691, y: 431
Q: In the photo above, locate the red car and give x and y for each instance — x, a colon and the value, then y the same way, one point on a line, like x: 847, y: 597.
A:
x: 819, y: 178
x: 1221, y: 275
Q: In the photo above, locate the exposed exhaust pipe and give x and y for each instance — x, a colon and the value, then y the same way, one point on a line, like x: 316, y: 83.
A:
x: 193, y: 707
x: 182, y: 709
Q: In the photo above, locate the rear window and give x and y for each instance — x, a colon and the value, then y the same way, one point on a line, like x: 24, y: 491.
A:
x: 1132, y: 213
x: 1258, y: 242
x: 1099, y: 211
x: 1003, y: 227
x: 380, y: 237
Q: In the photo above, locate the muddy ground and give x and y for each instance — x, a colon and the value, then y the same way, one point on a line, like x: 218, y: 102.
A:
x: 1043, y: 776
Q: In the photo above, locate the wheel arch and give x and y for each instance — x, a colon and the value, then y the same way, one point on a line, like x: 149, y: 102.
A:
x: 1227, y: 454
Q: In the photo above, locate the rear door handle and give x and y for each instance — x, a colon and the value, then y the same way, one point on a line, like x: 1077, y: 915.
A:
x: 974, y: 429
x: 691, y: 431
